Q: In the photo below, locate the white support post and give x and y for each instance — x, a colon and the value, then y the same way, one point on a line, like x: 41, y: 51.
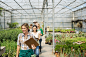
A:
x: 53, y: 23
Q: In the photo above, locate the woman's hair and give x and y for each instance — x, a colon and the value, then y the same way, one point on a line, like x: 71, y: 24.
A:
x: 26, y: 25
x: 34, y: 26
x: 39, y: 25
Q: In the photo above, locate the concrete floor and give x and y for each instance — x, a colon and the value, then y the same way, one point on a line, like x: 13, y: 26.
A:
x: 46, y: 49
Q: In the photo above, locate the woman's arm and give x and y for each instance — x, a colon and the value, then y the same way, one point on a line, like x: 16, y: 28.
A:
x: 39, y: 35
x: 18, y: 48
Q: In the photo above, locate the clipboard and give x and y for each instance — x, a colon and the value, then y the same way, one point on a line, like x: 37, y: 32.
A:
x: 31, y: 41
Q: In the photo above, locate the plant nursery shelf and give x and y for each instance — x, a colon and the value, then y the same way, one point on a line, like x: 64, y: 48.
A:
x: 76, y: 21
x: 2, y: 50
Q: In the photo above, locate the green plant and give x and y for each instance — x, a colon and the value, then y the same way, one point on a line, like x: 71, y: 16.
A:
x: 11, y: 34
x: 50, y: 30
x: 63, y: 30
x: 49, y: 38
x: 0, y: 11
x: 58, y: 30
x: 11, y: 47
x: 12, y: 25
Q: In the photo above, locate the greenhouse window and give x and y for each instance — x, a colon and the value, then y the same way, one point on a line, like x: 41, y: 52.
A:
x: 79, y: 7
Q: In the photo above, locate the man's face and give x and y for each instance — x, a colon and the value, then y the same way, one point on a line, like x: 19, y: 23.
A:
x: 30, y: 26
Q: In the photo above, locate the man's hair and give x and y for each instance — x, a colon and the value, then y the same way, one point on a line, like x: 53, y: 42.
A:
x: 31, y: 24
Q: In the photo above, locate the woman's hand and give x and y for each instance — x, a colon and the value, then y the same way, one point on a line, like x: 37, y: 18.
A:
x: 33, y: 46
x: 40, y: 34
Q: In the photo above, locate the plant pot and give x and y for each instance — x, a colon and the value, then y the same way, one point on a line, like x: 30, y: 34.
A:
x: 57, y: 55
x: 46, y: 42
x: 49, y: 43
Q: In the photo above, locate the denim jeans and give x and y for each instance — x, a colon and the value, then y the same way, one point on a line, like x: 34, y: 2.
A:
x: 40, y: 44
x: 36, y: 51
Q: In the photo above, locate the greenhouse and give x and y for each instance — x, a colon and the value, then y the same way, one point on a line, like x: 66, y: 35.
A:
x: 60, y: 27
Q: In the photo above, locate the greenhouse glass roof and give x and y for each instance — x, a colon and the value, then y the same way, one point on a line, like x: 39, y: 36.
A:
x: 36, y: 7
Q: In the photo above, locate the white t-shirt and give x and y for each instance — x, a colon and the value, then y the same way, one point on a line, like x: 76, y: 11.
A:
x: 30, y: 30
x: 35, y: 34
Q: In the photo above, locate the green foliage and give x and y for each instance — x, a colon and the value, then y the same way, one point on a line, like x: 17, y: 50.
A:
x: 0, y: 11
x: 50, y: 30
x: 57, y: 30
x: 11, y: 47
x: 8, y: 38
x: 71, y: 40
x: 11, y: 34
x: 49, y: 38
x: 63, y: 30
x: 12, y: 25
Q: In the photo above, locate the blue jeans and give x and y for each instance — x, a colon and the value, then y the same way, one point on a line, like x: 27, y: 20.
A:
x: 36, y: 51
x: 40, y: 44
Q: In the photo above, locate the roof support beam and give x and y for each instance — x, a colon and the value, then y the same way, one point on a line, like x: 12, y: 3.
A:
x: 9, y: 6
x: 67, y: 5
x: 32, y: 7
x: 20, y: 6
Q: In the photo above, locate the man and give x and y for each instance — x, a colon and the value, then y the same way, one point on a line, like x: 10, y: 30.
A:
x: 35, y: 22
x: 31, y: 27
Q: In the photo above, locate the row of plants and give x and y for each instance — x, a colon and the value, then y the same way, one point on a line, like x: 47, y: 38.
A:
x: 8, y: 38
x: 49, y: 39
x: 11, y: 47
x: 69, y: 35
x: 66, y: 44
x: 13, y: 25
x: 71, y: 44
x: 11, y: 34
x: 63, y: 36
x: 64, y: 30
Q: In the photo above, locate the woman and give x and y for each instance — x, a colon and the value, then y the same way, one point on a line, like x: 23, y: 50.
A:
x: 40, y: 29
x: 37, y: 36
x: 22, y: 37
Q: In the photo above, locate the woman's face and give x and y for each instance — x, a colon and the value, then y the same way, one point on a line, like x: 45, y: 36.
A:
x: 34, y: 28
x: 38, y: 25
x: 24, y: 29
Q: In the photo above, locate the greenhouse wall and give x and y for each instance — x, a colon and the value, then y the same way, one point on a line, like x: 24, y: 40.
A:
x: 81, y: 15
x: 6, y: 17
x: 62, y: 21
x: 16, y: 17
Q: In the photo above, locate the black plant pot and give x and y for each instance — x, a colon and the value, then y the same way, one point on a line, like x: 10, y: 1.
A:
x: 49, y: 43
